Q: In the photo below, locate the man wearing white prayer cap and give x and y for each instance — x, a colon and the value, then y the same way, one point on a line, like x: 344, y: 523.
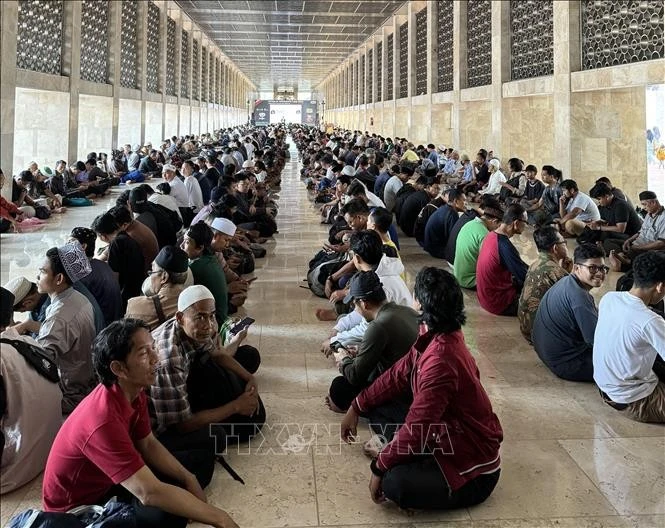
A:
x: 68, y: 330
x: 203, y: 387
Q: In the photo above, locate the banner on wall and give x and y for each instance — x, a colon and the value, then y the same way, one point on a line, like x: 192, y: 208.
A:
x: 268, y: 111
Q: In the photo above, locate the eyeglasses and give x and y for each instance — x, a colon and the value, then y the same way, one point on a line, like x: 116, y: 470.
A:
x: 152, y: 272
x: 593, y: 269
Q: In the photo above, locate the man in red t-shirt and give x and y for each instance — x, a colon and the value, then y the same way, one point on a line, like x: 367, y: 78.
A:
x: 500, y: 271
x: 106, y: 446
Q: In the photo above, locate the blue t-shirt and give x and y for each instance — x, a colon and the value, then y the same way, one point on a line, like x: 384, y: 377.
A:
x: 438, y: 229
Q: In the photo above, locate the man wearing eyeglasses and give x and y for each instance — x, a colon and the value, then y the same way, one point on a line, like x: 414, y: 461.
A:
x: 563, y: 330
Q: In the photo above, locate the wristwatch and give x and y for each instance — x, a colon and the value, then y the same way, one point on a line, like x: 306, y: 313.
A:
x: 375, y: 469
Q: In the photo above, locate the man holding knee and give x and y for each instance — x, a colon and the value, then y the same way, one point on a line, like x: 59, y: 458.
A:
x: 106, y: 447
x: 576, y: 209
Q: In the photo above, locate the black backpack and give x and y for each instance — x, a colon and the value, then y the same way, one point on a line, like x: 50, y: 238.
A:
x: 37, y: 358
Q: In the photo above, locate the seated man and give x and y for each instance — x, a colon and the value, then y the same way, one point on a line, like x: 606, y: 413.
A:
x: 650, y: 237
x: 391, y: 331
x: 106, y: 448
x: 566, y: 319
x: 224, y: 232
x: 368, y: 255
x: 395, y: 183
x: 618, y: 220
x: 629, y: 344
x: 500, y: 271
x: 427, y: 464
x: 552, y: 265
x: 199, y: 380
x: 167, y: 280
x: 138, y: 231
x: 486, y: 202
x: 25, y: 435
x: 423, y: 216
x: 124, y: 256
x: 415, y: 202
x: 467, y: 245
x: 576, y: 210
x: 164, y: 223
x: 101, y: 281
x: 69, y: 326
x: 546, y: 209
x: 440, y: 224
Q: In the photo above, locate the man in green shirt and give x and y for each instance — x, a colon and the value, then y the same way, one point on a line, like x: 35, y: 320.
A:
x: 553, y: 264
x: 467, y: 248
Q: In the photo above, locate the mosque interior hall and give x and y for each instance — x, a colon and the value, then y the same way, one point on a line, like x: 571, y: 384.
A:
x: 233, y: 149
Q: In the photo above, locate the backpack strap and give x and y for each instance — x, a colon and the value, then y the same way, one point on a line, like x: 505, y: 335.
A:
x: 158, y: 308
x: 36, y: 357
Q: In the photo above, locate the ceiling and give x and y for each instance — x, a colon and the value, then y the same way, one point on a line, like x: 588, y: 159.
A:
x: 288, y: 43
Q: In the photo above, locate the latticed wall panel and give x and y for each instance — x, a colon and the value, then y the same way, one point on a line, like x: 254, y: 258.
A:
x: 195, y: 69
x: 370, y: 76
x: 531, y: 38
x: 379, y: 71
x: 218, y: 97
x: 204, y: 74
x: 129, y: 44
x: 94, y: 41
x: 444, y: 37
x: 615, y: 33
x: 390, y: 67
x: 185, y: 71
x: 479, y: 43
x: 170, y: 57
x: 404, y: 60
x: 421, y: 52
x: 39, y: 36
x: 361, y: 76
x: 211, y: 78
x: 152, y: 61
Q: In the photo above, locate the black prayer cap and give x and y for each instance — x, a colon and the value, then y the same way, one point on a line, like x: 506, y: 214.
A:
x: 172, y: 258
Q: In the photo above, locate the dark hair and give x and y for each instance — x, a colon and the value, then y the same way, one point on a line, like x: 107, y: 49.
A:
x: 114, y: 343
x: 123, y: 198
x: 552, y: 171
x: 513, y: 212
x: 164, y: 188
x: 599, y: 190
x: 6, y: 309
x: 545, y: 237
x: 56, y: 264
x: 515, y: 164
x: 189, y: 163
x: 455, y: 194
x: 649, y: 269
x: 202, y: 236
x: 487, y: 200
x: 356, y: 188
x: 26, y: 176
x: 382, y: 218
x: 229, y: 170
x: 121, y: 214
x: 531, y: 168
x: 90, y: 161
x: 368, y: 246
x: 406, y: 168
x: 482, y: 153
x: 441, y: 300
x: 343, y: 178
x: 570, y: 185
x: 647, y: 195
x: 148, y: 190
x: 105, y: 224
x: 587, y: 251
x: 80, y: 166
x: 85, y: 236
x: 377, y: 296
x: 604, y: 179
x: 355, y: 207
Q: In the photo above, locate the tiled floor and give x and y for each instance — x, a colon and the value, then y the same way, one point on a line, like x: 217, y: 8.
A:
x: 568, y: 459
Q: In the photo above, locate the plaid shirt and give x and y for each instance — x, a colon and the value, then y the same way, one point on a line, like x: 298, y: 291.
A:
x: 168, y: 401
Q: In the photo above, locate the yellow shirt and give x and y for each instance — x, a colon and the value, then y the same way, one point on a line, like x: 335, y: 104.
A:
x: 409, y: 155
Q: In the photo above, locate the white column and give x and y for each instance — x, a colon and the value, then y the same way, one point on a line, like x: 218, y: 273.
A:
x: 8, y: 37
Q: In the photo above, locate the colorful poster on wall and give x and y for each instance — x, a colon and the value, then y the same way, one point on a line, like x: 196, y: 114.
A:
x: 655, y: 136
x: 268, y: 112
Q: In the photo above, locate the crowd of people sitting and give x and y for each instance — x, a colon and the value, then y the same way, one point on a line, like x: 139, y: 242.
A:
x: 131, y: 340
x: 128, y: 332
x: 385, y: 341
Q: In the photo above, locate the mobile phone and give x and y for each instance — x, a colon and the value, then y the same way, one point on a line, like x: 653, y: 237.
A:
x: 241, y: 325
x: 336, y: 346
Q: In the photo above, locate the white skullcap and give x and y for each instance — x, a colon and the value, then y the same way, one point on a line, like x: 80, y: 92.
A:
x: 224, y: 225
x: 249, y: 164
x: 192, y: 295
x: 19, y: 287
x: 136, y: 147
x: 495, y: 163
x: 442, y: 147
x: 348, y: 170
x: 168, y: 167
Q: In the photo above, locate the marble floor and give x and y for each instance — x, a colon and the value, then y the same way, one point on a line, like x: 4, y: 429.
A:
x: 568, y: 459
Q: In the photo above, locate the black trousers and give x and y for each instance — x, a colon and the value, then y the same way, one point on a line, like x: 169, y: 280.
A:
x: 192, y: 452
x: 342, y: 393
x: 420, y: 484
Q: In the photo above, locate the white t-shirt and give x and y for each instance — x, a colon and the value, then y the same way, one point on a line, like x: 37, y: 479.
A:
x: 628, y: 337
x: 589, y: 208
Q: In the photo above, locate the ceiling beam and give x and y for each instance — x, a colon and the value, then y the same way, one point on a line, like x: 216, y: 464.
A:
x: 217, y: 12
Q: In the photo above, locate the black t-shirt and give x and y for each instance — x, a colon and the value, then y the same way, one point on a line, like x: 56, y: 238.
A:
x: 411, y: 209
x: 619, y: 212
x: 451, y: 245
x: 401, y: 196
x: 423, y: 216
x: 126, y: 259
x: 534, y: 190
x: 17, y: 191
